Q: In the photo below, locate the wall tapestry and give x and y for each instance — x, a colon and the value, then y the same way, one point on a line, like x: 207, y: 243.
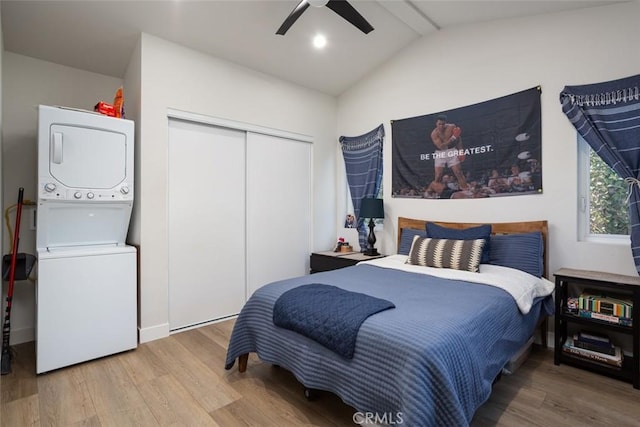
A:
x: 489, y: 149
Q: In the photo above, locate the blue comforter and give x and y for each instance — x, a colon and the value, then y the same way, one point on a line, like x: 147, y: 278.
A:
x: 431, y: 360
x: 327, y: 314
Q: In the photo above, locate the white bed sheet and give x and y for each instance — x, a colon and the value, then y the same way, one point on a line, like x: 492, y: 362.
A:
x: 523, y: 287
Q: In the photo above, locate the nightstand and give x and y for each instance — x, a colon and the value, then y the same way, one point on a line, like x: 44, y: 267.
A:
x: 569, y: 284
x: 329, y: 260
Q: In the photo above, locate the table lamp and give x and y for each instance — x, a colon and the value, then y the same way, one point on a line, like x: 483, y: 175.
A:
x: 371, y: 208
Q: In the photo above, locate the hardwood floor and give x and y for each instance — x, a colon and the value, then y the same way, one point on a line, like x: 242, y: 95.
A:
x: 181, y: 381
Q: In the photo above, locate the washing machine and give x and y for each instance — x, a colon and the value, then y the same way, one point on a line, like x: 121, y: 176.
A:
x: 86, y: 292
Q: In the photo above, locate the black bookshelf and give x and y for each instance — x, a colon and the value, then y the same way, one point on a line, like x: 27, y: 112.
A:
x: 567, y: 281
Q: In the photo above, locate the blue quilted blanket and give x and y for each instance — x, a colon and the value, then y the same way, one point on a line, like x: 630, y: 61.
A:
x: 433, y: 358
x: 329, y: 315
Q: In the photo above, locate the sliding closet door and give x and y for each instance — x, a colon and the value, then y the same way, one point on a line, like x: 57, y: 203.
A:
x: 278, y: 208
x: 206, y: 222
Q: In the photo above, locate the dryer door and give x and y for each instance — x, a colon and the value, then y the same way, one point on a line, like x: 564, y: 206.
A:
x: 82, y: 157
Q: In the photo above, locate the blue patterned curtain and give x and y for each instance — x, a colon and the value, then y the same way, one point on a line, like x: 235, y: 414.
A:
x: 363, y: 162
x: 607, y: 116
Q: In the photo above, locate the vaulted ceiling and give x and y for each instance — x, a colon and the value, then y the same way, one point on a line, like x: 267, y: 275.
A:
x: 100, y: 35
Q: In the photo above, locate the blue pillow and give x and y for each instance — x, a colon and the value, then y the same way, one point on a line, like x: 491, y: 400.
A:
x: 406, y: 239
x: 481, y: 232
x: 521, y: 251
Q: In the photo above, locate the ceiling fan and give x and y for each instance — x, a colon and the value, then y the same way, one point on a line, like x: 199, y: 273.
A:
x: 341, y: 7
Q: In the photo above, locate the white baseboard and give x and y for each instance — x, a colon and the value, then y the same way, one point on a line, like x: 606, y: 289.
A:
x: 153, y: 333
x: 19, y: 336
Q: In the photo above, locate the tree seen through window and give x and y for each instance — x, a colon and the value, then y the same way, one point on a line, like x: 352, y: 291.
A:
x: 608, y: 210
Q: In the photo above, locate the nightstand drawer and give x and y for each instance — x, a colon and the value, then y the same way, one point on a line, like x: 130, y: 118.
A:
x: 321, y: 262
x: 326, y: 261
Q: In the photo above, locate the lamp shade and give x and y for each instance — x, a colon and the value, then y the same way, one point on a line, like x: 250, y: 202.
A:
x: 371, y: 208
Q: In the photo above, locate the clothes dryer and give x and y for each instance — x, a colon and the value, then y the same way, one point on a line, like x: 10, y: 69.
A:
x: 85, y: 178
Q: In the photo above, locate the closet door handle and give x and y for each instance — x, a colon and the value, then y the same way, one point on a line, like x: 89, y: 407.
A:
x: 56, y: 147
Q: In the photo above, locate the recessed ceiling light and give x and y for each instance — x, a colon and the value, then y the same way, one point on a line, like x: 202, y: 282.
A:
x: 319, y: 41
x: 318, y: 3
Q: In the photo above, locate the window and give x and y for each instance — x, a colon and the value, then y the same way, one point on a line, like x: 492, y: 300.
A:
x: 349, y: 203
x: 603, y: 211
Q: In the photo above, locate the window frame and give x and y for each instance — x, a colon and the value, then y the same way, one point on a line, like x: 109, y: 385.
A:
x: 584, y: 203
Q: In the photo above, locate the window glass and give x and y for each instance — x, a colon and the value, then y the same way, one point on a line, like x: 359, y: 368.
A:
x: 603, y: 196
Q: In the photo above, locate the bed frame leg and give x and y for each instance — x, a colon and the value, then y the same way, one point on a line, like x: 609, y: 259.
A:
x: 242, y: 362
x: 310, y: 394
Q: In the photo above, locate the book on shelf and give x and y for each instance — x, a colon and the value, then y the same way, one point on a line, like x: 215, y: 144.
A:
x: 606, y: 317
x: 595, y: 337
x: 608, y: 304
x: 594, y: 345
x: 614, y: 360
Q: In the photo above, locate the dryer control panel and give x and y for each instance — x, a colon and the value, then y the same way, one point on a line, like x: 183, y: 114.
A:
x: 56, y: 191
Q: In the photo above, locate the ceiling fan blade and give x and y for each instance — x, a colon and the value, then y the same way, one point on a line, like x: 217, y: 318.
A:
x: 293, y: 17
x: 344, y: 9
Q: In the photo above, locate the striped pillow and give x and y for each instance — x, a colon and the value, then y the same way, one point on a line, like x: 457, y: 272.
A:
x: 446, y: 253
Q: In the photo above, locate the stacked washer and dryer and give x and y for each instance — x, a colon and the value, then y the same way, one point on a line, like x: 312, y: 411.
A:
x: 86, y: 292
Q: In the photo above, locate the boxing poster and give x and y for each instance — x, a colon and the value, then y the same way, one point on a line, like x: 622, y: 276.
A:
x: 489, y: 149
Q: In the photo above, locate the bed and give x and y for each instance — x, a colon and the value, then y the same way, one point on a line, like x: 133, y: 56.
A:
x: 431, y: 359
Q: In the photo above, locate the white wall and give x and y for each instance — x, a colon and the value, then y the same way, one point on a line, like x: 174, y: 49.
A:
x: 179, y: 78
x: 27, y: 82
x: 132, y: 90
x: 466, y: 65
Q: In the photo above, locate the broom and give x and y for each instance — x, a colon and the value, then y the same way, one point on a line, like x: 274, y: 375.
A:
x: 5, y: 365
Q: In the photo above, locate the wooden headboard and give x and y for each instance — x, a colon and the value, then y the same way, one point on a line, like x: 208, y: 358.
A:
x: 496, y: 228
